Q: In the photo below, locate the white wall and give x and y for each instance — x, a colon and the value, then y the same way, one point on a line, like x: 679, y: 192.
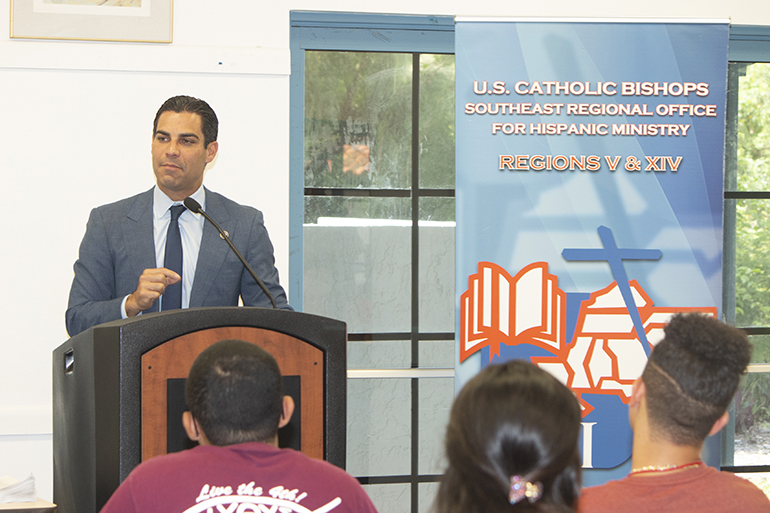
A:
x: 76, y: 131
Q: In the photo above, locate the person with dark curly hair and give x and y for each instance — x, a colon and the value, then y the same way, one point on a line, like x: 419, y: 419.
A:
x: 512, y: 444
x: 680, y: 399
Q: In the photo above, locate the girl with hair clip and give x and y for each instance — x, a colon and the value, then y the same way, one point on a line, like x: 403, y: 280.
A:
x: 512, y: 444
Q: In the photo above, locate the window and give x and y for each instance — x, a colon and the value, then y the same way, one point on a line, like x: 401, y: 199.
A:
x: 746, y: 257
x: 377, y: 232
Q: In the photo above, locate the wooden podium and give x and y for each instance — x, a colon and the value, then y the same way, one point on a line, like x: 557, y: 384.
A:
x: 114, y: 403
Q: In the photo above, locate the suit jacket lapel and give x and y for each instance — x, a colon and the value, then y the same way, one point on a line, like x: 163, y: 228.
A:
x: 138, y: 234
x: 213, y: 248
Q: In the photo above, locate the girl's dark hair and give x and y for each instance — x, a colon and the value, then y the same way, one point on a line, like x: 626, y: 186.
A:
x: 513, y: 419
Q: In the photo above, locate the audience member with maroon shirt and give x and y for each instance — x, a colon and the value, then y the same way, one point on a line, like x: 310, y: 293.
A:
x: 236, y: 405
x: 681, y: 398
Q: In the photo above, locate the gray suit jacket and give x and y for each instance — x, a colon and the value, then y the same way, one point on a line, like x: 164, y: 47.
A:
x: 118, y: 246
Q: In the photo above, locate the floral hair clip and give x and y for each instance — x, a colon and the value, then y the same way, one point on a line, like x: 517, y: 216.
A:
x: 521, y: 490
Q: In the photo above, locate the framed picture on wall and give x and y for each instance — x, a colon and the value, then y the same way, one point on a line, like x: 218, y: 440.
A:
x: 148, y: 21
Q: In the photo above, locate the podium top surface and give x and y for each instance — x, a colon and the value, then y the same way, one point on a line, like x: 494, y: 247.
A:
x: 174, y: 323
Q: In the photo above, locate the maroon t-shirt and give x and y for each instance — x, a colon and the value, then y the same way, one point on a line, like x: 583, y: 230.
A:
x: 699, y: 490
x: 238, y: 478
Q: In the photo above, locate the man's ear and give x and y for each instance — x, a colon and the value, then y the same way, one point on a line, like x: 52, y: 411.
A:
x: 288, y: 411
x: 638, y: 390
x: 191, y: 427
x: 720, y: 423
x: 211, y: 151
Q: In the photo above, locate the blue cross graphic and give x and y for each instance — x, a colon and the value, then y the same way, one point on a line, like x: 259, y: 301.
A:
x: 615, y: 256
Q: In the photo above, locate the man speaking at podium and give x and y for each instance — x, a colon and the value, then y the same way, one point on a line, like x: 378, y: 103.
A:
x: 149, y: 253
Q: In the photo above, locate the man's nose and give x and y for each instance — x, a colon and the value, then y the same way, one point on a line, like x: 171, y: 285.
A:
x: 172, y: 148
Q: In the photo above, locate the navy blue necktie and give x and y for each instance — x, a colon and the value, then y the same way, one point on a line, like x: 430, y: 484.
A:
x: 172, y: 297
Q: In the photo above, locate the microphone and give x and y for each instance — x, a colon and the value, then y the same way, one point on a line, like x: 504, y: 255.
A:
x: 195, y: 207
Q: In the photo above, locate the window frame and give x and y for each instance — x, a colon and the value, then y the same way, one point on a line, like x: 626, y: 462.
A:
x: 343, y: 32
x: 414, y: 35
x: 749, y: 45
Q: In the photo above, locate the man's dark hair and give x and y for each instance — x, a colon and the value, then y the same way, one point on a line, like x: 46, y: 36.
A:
x: 209, y: 121
x: 692, y: 376
x: 235, y: 392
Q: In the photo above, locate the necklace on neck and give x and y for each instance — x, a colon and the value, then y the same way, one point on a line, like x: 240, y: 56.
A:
x: 666, y: 468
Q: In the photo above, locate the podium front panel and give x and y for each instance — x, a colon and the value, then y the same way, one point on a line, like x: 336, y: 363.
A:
x: 173, y: 360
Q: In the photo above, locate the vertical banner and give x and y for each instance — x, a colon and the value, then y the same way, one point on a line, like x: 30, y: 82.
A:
x: 589, y: 200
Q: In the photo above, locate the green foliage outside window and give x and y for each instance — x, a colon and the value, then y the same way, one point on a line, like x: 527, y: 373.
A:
x: 752, y: 274
x: 752, y: 241
x: 358, y: 131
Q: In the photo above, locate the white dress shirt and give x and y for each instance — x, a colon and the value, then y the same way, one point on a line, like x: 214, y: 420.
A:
x: 191, y: 231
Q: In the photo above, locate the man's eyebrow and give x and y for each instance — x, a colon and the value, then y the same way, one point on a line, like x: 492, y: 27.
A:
x: 163, y: 132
